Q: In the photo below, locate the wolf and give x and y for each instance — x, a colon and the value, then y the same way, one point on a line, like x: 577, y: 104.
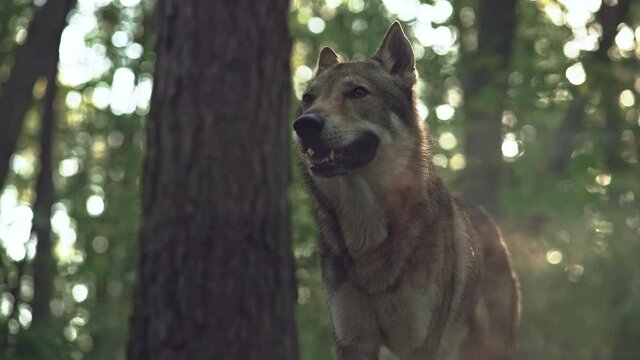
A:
x: 404, y: 263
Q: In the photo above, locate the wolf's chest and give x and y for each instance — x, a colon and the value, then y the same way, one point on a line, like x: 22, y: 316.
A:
x: 360, y: 213
x: 404, y: 317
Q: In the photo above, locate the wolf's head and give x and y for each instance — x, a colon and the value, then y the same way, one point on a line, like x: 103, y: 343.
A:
x: 357, y: 114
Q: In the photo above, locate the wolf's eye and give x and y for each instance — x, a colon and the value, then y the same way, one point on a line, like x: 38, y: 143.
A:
x: 359, y: 92
x: 307, y: 99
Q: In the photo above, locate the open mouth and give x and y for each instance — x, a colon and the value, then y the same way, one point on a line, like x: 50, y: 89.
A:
x: 327, y: 162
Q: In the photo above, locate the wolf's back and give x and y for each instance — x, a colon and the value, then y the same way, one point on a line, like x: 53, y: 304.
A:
x: 499, y: 308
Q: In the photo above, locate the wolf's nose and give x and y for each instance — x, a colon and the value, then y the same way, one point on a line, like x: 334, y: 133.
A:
x: 308, y: 125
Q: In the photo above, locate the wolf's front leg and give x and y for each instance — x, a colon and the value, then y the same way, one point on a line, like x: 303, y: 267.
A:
x: 354, y: 322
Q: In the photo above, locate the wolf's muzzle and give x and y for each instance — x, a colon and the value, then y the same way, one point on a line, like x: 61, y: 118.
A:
x: 308, y: 126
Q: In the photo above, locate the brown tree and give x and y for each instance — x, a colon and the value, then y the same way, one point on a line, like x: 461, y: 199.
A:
x: 44, y: 266
x: 215, y: 273
x: 485, y: 86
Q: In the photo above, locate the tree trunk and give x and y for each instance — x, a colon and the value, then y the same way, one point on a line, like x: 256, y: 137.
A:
x: 40, y: 49
x: 601, y: 69
x: 215, y: 273
x: 560, y: 156
x: 44, y: 267
x: 598, y: 66
x: 619, y: 273
x: 485, y: 83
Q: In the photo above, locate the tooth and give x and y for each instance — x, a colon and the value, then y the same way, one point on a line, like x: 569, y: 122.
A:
x: 331, y: 155
x: 310, y: 152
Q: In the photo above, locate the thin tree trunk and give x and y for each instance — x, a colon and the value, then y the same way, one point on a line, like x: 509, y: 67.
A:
x: 600, y: 68
x: 599, y: 74
x: 215, y: 273
x: 9, y: 340
x: 40, y: 49
x: 44, y: 267
x: 4, y: 328
x: 485, y: 85
x: 609, y: 18
x: 560, y: 156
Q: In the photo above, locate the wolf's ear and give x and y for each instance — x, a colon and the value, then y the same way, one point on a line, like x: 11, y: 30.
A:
x: 395, y: 53
x: 326, y: 58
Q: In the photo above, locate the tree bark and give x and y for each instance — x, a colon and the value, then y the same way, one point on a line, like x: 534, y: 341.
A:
x: 40, y: 49
x: 215, y: 272
x: 485, y: 83
x: 44, y: 266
